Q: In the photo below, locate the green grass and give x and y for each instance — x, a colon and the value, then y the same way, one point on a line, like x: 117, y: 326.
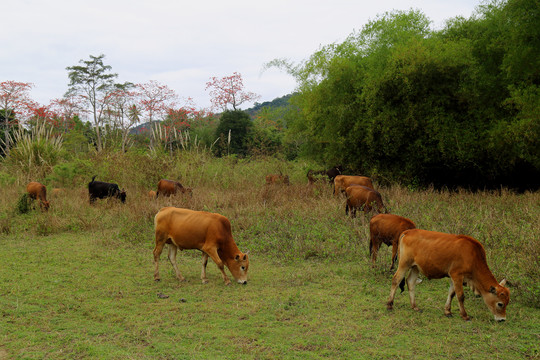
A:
x: 90, y: 296
x: 77, y: 282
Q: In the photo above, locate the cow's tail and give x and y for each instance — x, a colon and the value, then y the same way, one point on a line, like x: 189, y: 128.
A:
x: 402, y: 283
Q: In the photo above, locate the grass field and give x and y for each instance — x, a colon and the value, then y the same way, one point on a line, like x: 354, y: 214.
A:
x: 77, y: 282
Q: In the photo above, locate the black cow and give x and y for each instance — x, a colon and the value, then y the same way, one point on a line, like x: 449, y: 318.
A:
x: 101, y: 190
x: 313, y: 175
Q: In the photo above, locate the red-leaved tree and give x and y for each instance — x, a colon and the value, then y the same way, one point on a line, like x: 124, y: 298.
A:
x: 229, y: 90
x: 14, y: 102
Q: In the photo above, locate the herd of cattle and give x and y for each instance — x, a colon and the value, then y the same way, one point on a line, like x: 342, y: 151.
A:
x: 436, y: 255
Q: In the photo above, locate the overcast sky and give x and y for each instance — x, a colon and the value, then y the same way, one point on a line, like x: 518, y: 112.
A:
x: 182, y: 44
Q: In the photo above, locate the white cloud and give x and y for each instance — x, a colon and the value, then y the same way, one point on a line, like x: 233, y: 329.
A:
x: 182, y: 44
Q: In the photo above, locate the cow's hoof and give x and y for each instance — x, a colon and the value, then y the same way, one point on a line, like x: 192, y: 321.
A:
x: 205, y: 281
x: 449, y: 315
x: 156, y: 280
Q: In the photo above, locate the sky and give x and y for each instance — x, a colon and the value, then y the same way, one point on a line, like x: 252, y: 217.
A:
x: 183, y: 44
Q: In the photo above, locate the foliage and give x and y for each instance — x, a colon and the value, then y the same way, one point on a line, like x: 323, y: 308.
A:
x: 229, y: 90
x: 14, y: 103
x: 93, y: 82
x: 457, y: 106
x: 23, y: 204
x: 35, y: 151
x: 234, y: 133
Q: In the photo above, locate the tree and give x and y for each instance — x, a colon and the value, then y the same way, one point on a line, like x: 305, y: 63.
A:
x: 229, y: 90
x: 93, y: 82
x: 122, y: 110
x: 14, y: 99
x: 233, y: 130
x: 155, y: 100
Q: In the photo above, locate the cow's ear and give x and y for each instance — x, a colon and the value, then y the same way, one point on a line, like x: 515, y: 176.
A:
x: 503, y: 282
x: 237, y: 257
x: 493, y: 290
x: 245, y: 257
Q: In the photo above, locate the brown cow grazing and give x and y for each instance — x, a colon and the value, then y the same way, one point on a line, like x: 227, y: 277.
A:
x: 277, y: 179
x: 169, y: 187
x: 342, y: 182
x: 207, y: 232
x: 386, y: 229
x: 359, y: 196
x: 38, y: 191
x: 460, y: 257
x: 152, y: 194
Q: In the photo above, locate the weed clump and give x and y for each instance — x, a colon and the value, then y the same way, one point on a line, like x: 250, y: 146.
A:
x: 23, y: 204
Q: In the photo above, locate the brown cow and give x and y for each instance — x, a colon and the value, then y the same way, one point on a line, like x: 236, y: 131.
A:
x: 277, y: 178
x: 359, y: 196
x: 386, y: 229
x: 38, y: 191
x: 152, y: 194
x: 169, y: 187
x: 342, y: 182
x: 207, y: 232
x: 460, y: 257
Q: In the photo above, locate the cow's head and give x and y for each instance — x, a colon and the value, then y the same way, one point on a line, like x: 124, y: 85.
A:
x: 122, y: 195
x: 497, y: 299
x: 45, y: 205
x: 238, y: 267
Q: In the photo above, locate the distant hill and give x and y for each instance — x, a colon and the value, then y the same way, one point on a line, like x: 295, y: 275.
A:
x: 253, y: 111
x: 276, y: 103
x: 142, y: 128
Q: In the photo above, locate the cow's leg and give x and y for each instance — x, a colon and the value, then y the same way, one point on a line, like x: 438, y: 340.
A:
x: 172, y: 258
x: 373, y: 250
x: 394, y: 254
x: 398, y: 276
x: 160, y: 242
x: 448, y: 305
x: 458, y: 287
x: 411, y: 283
x: 212, y: 252
x: 203, y: 271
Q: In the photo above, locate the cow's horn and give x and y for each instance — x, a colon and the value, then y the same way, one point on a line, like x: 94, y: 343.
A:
x: 503, y: 282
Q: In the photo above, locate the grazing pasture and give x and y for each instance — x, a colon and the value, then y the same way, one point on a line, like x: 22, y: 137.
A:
x: 77, y: 281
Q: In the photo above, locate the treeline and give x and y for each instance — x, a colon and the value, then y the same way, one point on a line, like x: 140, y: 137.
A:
x: 459, y: 106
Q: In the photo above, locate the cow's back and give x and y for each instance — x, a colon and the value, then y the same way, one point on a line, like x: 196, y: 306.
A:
x: 436, y: 253
x: 342, y: 182
x: 190, y: 229
x: 389, y: 226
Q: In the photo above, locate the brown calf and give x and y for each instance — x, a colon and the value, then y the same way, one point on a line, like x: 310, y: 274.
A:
x: 169, y: 187
x: 38, y: 191
x: 277, y: 179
